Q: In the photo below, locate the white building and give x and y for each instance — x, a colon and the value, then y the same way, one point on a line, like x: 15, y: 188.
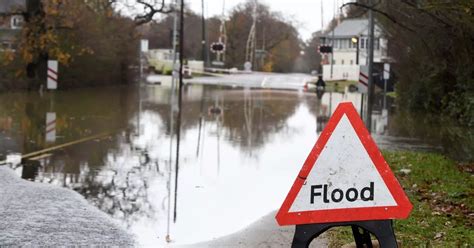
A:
x: 11, y: 22
x: 350, y: 43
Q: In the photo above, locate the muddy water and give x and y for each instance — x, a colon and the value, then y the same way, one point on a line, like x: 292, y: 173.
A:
x: 240, y: 151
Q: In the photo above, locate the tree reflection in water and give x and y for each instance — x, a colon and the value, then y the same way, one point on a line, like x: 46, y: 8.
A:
x: 127, y: 174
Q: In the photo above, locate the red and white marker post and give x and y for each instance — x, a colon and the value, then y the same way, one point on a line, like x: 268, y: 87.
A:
x: 52, y: 81
x: 345, y: 181
x: 363, y: 83
x: 50, y: 136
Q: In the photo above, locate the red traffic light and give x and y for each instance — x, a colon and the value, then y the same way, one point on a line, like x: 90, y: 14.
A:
x: 325, y: 49
x: 217, y: 47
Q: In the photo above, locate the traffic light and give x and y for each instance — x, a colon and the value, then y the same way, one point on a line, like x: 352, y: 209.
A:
x: 217, y: 47
x: 325, y: 49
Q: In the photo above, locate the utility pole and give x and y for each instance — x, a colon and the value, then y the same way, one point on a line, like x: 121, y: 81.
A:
x: 251, y: 40
x: 332, y: 36
x: 172, y: 110
x: 370, y: 92
x: 332, y: 52
x: 322, y: 16
x: 222, y: 35
x: 205, y: 58
x: 38, y: 67
x: 357, y: 50
x: 180, y: 103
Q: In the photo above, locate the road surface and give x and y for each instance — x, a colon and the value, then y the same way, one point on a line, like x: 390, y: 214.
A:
x: 292, y: 81
x: 263, y: 233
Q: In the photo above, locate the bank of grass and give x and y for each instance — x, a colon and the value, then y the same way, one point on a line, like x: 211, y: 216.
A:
x: 339, y: 86
x: 442, y: 194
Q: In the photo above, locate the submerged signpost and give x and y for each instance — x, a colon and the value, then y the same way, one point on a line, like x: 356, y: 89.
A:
x: 345, y: 181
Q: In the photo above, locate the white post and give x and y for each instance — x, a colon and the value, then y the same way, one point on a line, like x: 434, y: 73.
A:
x: 386, y: 77
x: 143, y: 49
x: 371, y: 86
x: 363, y: 83
x: 52, y: 80
x: 50, y: 127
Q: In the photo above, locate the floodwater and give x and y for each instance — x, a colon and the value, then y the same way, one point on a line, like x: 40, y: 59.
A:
x: 240, y: 150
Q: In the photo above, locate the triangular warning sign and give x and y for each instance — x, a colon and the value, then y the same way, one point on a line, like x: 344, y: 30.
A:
x: 344, y: 178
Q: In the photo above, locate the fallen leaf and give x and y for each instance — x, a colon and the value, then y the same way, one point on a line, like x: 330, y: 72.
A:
x: 439, y: 235
x: 405, y: 171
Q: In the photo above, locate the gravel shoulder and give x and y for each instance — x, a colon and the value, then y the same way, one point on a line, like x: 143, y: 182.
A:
x: 35, y: 214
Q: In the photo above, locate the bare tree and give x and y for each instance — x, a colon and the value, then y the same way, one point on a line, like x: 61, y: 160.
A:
x: 144, y: 11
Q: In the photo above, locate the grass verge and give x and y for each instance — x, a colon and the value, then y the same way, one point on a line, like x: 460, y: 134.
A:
x: 442, y: 194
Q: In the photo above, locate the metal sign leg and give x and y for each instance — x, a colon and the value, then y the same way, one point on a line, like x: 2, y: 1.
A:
x: 381, y: 229
x: 361, y: 237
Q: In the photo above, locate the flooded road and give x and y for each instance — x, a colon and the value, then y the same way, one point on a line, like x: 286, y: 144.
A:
x: 240, y: 152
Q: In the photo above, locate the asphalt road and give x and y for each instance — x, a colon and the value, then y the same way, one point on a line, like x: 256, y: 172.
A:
x: 294, y: 81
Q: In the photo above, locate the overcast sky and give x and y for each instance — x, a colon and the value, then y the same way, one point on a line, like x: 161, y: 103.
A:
x: 306, y: 13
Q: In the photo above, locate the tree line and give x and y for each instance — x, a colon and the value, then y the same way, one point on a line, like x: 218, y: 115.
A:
x: 96, y: 41
x: 277, y: 38
x: 432, y: 44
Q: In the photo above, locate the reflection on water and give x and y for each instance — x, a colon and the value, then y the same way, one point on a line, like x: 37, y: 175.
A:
x: 240, y: 152
x: 454, y: 140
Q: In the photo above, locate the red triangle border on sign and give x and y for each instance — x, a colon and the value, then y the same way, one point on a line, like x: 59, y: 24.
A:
x: 400, y: 211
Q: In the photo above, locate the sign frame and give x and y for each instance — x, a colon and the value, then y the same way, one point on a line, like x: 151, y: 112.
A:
x: 399, y: 211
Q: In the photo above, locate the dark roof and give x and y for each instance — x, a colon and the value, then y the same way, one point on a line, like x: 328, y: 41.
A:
x: 8, y: 6
x: 353, y: 27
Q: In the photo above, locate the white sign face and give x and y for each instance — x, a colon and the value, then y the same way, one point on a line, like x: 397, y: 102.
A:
x: 363, y: 84
x: 386, y: 71
x: 144, y: 46
x: 343, y: 176
x: 248, y: 66
x: 52, y: 81
x: 51, y: 127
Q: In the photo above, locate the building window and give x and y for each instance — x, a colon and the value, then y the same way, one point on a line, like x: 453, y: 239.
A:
x: 367, y: 43
x: 352, y: 62
x: 16, y: 22
x: 342, y: 61
x: 352, y: 44
x: 377, y: 44
x: 362, y: 43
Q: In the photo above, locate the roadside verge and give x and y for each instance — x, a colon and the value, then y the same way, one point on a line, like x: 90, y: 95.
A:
x: 35, y: 214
